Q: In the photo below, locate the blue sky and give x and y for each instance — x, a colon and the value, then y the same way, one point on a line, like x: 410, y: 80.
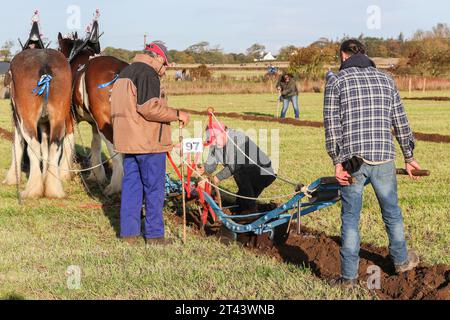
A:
x: 234, y: 25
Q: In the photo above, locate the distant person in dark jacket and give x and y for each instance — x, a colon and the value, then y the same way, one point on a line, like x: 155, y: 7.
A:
x: 232, y: 149
x: 289, y: 93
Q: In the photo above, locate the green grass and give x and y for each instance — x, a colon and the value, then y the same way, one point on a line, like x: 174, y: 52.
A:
x: 425, y: 204
x: 40, y: 239
x: 425, y: 116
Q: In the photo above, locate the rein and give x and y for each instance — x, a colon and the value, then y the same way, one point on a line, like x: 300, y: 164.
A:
x: 102, y: 86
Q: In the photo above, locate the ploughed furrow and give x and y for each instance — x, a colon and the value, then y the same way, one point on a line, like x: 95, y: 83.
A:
x: 428, y: 137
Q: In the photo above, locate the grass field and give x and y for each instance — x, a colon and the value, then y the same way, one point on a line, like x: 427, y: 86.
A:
x: 40, y: 239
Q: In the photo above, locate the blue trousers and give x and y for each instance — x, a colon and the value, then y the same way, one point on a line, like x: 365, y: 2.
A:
x: 286, y: 102
x: 144, y: 177
x: 384, y: 182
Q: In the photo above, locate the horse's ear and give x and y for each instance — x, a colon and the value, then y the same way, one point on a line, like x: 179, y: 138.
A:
x: 76, y: 35
x: 60, y: 37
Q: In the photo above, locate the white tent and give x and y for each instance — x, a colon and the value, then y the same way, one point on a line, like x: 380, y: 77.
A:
x: 268, y: 57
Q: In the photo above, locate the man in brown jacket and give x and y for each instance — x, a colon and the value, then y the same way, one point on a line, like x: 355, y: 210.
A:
x: 141, y: 121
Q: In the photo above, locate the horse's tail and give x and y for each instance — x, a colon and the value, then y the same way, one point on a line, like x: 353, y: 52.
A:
x: 45, y: 69
x: 43, y: 86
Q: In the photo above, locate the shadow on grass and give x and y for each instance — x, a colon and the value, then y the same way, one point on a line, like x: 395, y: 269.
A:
x: 109, y: 204
x: 13, y: 296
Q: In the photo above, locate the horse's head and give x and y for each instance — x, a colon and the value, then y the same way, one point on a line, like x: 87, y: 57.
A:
x: 68, y: 42
x: 73, y: 47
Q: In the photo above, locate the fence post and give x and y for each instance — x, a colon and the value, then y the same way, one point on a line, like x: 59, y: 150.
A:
x: 424, y: 84
x: 410, y: 87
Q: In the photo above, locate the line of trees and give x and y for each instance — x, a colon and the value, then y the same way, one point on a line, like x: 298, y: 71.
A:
x: 427, y: 53
x: 5, y: 50
x: 199, y: 53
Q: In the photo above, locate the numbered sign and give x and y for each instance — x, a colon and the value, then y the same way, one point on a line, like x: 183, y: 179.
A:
x: 193, y: 145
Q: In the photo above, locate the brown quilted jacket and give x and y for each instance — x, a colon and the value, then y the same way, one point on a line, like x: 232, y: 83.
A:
x: 140, y: 115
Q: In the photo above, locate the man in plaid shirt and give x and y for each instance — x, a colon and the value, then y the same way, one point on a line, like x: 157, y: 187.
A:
x: 362, y: 105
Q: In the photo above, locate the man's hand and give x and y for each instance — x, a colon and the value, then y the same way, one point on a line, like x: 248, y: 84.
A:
x: 200, y: 171
x: 202, y: 184
x: 184, y: 119
x: 342, y: 176
x: 412, y: 166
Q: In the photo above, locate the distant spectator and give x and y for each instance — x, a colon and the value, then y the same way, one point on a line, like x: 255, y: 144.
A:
x: 272, y: 69
x: 289, y: 93
x: 181, y: 75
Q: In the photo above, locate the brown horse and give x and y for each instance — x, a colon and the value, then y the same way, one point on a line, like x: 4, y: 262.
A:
x: 39, y: 117
x: 91, y: 103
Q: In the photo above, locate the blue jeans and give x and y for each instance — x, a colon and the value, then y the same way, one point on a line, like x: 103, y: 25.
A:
x: 384, y: 182
x: 286, y: 102
x: 144, y: 176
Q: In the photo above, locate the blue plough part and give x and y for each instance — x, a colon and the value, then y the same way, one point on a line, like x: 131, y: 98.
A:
x: 279, y: 216
x: 43, y: 85
x: 174, y: 187
x: 102, y: 86
x: 267, y: 221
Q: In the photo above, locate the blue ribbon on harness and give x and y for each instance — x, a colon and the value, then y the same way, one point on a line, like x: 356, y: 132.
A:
x: 43, y: 85
x: 102, y: 86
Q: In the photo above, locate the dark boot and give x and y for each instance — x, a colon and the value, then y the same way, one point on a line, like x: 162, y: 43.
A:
x: 344, y: 283
x: 131, y: 240
x: 159, y: 241
x: 413, y: 261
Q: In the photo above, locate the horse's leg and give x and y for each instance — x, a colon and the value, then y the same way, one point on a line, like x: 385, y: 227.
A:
x: 115, y: 185
x: 35, y: 185
x: 98, y: 174
x: 53, y: 184
x: 68, y: 151
x: 17, y: 155
x: 44, y: 148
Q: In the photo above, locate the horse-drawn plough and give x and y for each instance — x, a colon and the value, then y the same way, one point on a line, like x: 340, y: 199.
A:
x: 206, y: 208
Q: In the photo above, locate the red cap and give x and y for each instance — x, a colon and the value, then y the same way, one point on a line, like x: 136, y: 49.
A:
x: 159, y: 50
x: 213, y: 129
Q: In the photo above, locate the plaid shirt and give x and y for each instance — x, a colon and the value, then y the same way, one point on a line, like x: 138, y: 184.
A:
x: 361, y: 107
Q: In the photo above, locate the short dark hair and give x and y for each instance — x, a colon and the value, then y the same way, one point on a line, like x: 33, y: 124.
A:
x: 353, y: 46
